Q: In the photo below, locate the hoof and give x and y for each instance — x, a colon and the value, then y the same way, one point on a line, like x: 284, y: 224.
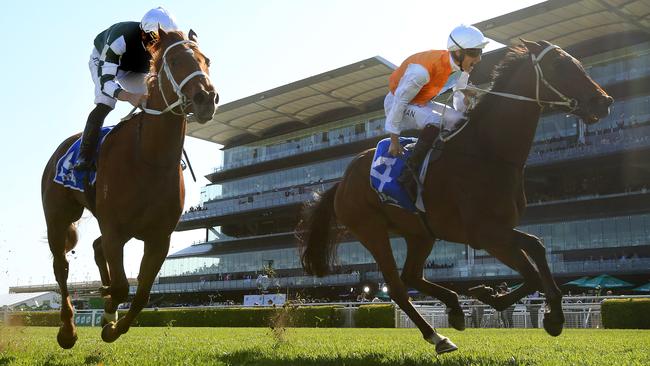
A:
x: 110, y: 333
x: 552, y: 327
x: 66, y: 341
x: 445, y: 346
x: 456, y: 319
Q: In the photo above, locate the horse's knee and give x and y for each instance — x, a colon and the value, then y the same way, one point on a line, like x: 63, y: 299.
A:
x: 61, y: 268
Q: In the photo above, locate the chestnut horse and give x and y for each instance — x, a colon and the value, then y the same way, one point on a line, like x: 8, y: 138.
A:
x: 139, y: 187
x: 473, y: 193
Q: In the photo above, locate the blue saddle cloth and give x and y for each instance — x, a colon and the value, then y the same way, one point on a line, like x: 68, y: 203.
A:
x: 70, y: 178
x: 385, y: 170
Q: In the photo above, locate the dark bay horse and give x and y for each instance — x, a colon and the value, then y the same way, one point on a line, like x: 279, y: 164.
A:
x: 473, y: 193
x: 139, y: 190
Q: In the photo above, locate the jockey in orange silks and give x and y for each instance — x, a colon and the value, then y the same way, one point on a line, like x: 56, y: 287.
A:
x: 422, y: 77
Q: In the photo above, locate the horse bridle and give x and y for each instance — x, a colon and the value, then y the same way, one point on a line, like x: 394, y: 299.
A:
x: 570, y: 103
x: 182, y: 101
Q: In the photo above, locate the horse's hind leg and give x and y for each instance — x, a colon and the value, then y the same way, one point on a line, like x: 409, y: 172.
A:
x: 154, y: 255
x: 376, y: 241
x: 62, y: 237
x: 418, y: 250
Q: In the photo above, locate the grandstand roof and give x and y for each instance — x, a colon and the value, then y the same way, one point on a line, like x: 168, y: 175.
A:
x: 353, y: 86
x: 569, y: 22
x: 13, y: 299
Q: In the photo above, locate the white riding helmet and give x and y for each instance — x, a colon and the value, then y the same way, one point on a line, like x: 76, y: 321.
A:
x: 158, y: 18
x: 466, y: 36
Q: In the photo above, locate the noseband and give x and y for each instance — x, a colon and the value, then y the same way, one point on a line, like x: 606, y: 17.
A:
x: 181, y: 101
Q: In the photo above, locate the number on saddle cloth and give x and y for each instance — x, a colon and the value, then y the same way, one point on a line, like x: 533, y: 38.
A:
x: 385, y: 170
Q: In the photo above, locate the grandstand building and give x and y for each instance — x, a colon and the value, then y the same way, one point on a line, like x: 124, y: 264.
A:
x: 588, y: 188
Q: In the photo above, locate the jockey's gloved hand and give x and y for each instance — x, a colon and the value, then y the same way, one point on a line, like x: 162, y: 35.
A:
x: 395, y: 149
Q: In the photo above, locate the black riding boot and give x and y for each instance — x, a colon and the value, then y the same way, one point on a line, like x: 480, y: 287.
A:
x: 425, y: 141
x: 90, y: 137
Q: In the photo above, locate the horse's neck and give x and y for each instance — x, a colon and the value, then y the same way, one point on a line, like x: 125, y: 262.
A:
x: 162, y: 136
x: 507, y: 133
x: 505, y: 129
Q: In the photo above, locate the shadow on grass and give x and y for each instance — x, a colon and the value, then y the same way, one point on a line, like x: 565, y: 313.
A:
x: 259, y: 357
x: 93, y: 359
x: 6, y: 360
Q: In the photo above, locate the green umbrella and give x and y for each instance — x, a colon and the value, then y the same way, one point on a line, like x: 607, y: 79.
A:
x: 644, y: 288
x: 580, y: 282
x: 606, y: 281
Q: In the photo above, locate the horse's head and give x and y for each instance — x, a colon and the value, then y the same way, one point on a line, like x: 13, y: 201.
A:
x: 561, y: 78
x: 181, y: 71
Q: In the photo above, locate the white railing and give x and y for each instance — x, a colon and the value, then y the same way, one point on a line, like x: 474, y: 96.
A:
x: 579, y: 312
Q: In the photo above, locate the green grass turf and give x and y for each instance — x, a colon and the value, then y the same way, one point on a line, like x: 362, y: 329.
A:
x: 308, y: 346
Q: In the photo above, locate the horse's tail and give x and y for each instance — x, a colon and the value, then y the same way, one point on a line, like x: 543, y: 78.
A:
x: 71, y: 237
x: 318, y: 234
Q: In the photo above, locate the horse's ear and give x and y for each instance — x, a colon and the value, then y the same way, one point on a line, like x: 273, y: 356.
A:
x: 533, y: 47
x: 544, y: 43
x: 192, y: 36
x: 161, y: 33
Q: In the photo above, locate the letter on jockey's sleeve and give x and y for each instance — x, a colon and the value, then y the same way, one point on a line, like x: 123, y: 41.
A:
x: 109, y: 60
x: 414, y: 78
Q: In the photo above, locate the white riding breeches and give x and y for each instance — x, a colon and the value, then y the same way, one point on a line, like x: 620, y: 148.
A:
x: 418, y: 116
x: 128, y: 80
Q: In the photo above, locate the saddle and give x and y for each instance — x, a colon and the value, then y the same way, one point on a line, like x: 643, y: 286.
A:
x: 386, y: 169
x: 70, y: 178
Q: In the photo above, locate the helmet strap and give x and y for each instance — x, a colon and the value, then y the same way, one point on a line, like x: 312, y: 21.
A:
x: 462, y: 53
x: 459, y: 58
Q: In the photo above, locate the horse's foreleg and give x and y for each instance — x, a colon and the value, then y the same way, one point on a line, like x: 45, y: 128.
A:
x: 418, y: 250
x: 152, y: 259
x: 514, y: 258
x: 118, y: 291
x: 554, y: 320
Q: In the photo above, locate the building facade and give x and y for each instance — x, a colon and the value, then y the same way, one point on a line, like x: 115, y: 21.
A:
x: 588, y: 188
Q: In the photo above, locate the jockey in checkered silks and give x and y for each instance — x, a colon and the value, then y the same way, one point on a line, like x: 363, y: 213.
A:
x: 118, y: 64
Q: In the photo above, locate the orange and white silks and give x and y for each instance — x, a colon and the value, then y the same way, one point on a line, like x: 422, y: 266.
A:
x: 438, y: 65
x: 414, y: 84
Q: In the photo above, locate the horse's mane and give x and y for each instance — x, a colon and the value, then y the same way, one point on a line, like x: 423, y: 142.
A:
x: 502, y: 74
x: 157, y: 50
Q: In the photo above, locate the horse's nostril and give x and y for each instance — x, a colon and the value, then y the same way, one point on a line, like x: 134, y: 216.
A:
x: 609, y: 100
x: 216, y: 98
